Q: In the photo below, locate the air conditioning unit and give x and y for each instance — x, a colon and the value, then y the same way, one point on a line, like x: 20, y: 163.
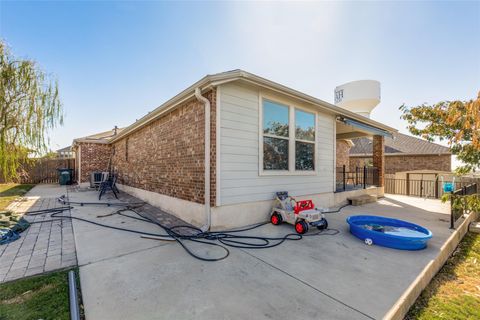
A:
x: 96, y: 178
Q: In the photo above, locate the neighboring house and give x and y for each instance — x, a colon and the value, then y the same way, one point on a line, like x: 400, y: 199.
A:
x: 93, y: 153
x: 65, y: 153
x: 261, y: 137
x: 402, y: 153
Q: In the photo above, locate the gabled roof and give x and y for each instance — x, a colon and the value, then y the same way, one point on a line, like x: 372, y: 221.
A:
x: 210, y: 81
x: 400, y: 144
x: 66, y: 149
x: 101, y: 137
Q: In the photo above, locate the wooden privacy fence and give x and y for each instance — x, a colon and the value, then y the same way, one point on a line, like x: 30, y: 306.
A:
x: 43, y: 170
x: 421, y: 188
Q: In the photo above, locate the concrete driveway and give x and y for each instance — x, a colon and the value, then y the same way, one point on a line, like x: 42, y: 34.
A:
x: 320, y: 277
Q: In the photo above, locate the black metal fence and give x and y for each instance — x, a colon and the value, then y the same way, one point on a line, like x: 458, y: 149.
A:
x: 357, y: 178
x: 457, y: 202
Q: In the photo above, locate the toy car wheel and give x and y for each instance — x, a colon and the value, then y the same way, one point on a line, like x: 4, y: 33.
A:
x: 301, y: 227
x: 324, y: 225
x: 276, y: 219
x: 368, y: 241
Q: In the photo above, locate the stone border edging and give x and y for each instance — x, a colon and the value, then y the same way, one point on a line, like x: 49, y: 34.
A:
x: 408, y: 298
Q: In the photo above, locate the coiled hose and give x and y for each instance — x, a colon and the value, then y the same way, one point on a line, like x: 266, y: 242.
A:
x: 229, y: 238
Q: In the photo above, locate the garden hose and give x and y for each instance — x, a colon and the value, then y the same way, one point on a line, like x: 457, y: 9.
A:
x: 225, y: 238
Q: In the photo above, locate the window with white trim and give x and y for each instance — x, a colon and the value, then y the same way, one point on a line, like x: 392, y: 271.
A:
x: 288, y: 138
x: 275, y: 136
x: 304, y: 140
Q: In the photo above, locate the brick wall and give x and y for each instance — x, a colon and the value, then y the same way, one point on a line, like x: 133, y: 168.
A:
x: 408, y: 163
x: 93, y: 157
x: 167, y: 155
x: 342, y: 151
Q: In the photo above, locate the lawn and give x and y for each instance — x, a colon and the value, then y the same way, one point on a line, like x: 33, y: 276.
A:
x: 40, y: 297
x: 8, y: 193
x: 454, y: 293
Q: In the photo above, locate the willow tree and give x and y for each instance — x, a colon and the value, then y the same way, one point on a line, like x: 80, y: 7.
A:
x: 29, y: 108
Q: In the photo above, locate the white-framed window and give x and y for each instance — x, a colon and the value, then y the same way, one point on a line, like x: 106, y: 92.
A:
x: 276, y: 125
x: 288, y: 139
x: 304, y: 140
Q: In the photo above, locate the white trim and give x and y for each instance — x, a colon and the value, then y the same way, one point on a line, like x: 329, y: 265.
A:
x: 334, y: 165
x: 260, y: 133
x: 218, y: 200
x: 79, y: 164
x: 235, y: 75
x: 315, y: 141
x: 207, y: 150
x: 276, y: 137
x: 291, y: 138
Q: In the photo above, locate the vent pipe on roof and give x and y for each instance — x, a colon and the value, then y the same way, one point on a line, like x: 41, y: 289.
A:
x: 115, y: 130
x: 206, y: 102
x: 358, y: 96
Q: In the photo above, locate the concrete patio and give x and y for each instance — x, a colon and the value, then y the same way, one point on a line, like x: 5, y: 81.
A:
x: 319, y: 277
x: 337, y: 276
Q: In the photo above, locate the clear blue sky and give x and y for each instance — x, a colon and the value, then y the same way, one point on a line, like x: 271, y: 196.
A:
x: 115, y: 61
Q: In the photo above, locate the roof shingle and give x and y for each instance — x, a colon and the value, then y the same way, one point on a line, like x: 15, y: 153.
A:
x: 401, y: 144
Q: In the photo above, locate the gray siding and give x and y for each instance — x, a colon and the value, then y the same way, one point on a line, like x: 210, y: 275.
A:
x: 239, y: 152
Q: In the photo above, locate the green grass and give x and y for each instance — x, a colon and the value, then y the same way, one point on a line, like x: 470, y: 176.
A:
x: 454, y: 293
x: 8, y: 193
x: 39, y: 297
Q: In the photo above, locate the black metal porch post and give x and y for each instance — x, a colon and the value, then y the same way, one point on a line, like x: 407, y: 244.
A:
x: 364, y: 177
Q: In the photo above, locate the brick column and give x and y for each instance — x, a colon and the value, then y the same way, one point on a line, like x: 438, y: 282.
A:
x: 379, y: 157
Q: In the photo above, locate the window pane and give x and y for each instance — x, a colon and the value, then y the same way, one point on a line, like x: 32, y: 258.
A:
x: 304, y: 156
x: 304, y: 125
x: 275, y: 154
x: 275, y: 119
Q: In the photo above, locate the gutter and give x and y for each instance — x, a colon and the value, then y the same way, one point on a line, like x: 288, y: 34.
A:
x: 235, y: 75
x: 208, y: 214
x: 366, y: 127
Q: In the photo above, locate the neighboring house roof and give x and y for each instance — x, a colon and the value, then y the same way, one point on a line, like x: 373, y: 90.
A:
x: 66, y: 149
x: 210, y: 81
x: 101, y: 137
x: 400, y: 144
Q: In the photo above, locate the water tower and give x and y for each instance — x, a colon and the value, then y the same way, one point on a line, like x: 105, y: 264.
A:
x: 360, y: 96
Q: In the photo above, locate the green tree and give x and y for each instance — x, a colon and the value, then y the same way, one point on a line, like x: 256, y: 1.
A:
x: 29, y: 107
x: 457, y: 122
x: 50, y: 155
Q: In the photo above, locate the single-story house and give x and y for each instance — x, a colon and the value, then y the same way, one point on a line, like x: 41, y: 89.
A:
x: 93, y: 154
x: 65, y: 153
x: 216, y: 153
x: 402, y: 153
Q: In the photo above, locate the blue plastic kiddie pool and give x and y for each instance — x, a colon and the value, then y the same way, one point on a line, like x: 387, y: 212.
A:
x: 388, y: 232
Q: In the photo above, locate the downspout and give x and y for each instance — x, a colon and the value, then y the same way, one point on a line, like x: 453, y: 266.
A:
x: 79, y: 164
x: 206, y: 102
